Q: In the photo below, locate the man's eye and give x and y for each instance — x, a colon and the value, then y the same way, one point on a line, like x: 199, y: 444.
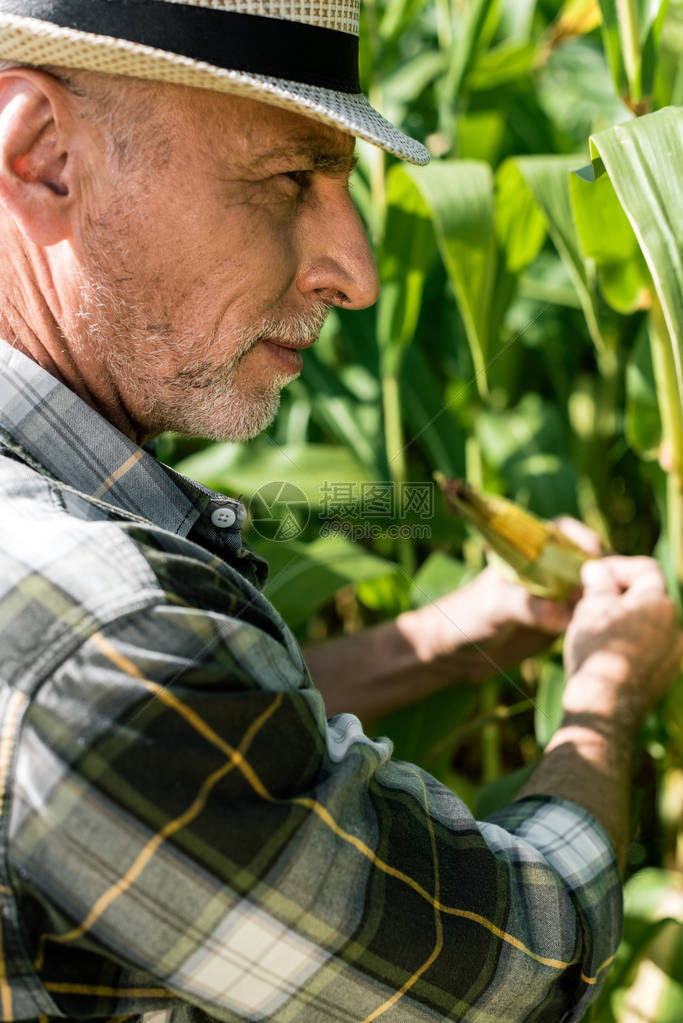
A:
x: 299, y: 177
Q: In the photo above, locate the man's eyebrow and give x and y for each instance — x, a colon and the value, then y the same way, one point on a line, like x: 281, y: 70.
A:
x: 318, y: 157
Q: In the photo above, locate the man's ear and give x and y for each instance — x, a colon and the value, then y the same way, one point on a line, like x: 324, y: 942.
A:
x: 35, y: 186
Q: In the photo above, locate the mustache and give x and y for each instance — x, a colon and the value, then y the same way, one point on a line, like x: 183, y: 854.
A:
x: 304, y: 328
x: 301, y: 328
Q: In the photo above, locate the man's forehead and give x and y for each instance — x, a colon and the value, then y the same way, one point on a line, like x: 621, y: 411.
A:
x: 262, y: 134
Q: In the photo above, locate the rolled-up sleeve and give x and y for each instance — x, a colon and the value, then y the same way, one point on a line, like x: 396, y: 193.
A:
x: 189, y: 832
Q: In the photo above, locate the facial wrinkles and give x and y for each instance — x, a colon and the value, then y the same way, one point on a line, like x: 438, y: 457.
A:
x: 215, y: 395
x: 167, y: 376
x: 202, y: 393
x: 298, y: 330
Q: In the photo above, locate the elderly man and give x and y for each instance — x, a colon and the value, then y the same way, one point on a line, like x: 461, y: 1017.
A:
x: 185, y: 831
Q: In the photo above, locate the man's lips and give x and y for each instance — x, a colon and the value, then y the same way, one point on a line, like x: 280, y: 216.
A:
x: 286, y: 353
x: 289, y: 344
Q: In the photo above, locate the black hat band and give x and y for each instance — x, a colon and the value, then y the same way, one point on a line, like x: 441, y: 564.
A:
x: 297, y: 52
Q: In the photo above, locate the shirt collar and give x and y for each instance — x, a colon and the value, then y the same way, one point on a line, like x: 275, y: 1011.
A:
x: 78, y: 447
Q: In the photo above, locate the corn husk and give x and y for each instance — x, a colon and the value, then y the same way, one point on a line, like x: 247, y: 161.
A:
x: 535, y: 552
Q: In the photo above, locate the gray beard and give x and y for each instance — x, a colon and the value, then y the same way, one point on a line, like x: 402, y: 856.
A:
x: 202, y: 398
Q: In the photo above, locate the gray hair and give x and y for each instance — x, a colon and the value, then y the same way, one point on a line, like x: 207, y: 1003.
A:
x: 61, y: 73
x: 123, y: 106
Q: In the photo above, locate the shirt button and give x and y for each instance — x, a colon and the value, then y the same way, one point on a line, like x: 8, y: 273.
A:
x: 223, y: 518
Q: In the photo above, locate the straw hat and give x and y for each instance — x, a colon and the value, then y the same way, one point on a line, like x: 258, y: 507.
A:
x: 299, y: 54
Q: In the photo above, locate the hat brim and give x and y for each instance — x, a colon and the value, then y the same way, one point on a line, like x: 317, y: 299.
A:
x: 31, y: 41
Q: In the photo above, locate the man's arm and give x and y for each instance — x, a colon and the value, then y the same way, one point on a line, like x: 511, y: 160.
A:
x: 479, y: 630
x: 622, y: 652
x: 188, y: 827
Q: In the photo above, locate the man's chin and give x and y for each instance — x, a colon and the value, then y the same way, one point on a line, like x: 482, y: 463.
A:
x: 239, y: 419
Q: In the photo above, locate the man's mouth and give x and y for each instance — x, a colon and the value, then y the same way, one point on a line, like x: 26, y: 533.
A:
x: 286, y: 353
x: 290, y: 344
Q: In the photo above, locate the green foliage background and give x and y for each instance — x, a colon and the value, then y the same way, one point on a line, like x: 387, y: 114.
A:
x: 522, y: 341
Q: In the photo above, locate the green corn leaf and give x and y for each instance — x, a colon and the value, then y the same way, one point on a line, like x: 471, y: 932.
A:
x: 631, y: 33
x: 643, y: 159
x: 407, y: 83
x: 652, y: 895
x: 397, y: 14
x: 652, y: 23
x: 608, y: 239
x: 304, y: 576
x: 459, y: 196
x: 525, y: 444
x: 547, y: 180
x: 407, y: 254
x: 465, y: 49
x: 643, y: 420
x: 415, y: 730
x: 387, y: 595
x: 294, y: 421
x: 668, y: 88
x: 432, y: 426
x: 645, y: 983
x: 481, y: 134
x: 336, y: 408
x: 516, y: 19
x: 520, y: 222
x: 549, y: 711
x: 620, y: 40
x: 653, y: 930
x: 438, y: 575
x: 656, y: 991
x: 504, y: 65
x: 500, y: 792
x: 244, y: 469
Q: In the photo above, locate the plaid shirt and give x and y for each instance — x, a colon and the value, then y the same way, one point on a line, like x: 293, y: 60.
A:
x: 184, y: 833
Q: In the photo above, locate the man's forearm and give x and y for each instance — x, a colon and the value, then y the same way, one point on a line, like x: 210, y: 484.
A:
x: 476, y: 631
x: 394, y: 664
x: 588, y: 761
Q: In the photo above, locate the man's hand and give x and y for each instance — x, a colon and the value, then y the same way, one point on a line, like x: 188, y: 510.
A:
x: 493, y: 623
x: 470, y: 634
x: 623, y: 651
x: 624, y: 647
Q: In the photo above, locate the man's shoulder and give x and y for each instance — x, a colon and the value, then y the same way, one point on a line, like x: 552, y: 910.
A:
x: 64, y: 570
x: 71, y: 565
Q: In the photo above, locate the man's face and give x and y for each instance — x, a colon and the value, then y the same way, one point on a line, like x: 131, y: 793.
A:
x: 212, y: 257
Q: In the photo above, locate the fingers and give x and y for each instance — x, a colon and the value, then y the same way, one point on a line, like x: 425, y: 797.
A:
x: 598, y: 580
x: 614, y: 575
x: 580, y: 534
x: 519, y: 607
x: 547, y: 615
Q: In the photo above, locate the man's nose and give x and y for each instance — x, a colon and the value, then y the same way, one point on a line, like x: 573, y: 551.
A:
x: 336, y: 262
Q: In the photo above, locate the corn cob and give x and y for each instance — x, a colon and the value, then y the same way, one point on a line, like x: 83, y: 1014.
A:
x: 539, y: 556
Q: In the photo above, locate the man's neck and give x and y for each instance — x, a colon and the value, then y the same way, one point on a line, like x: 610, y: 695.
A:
x: 53, y: 353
